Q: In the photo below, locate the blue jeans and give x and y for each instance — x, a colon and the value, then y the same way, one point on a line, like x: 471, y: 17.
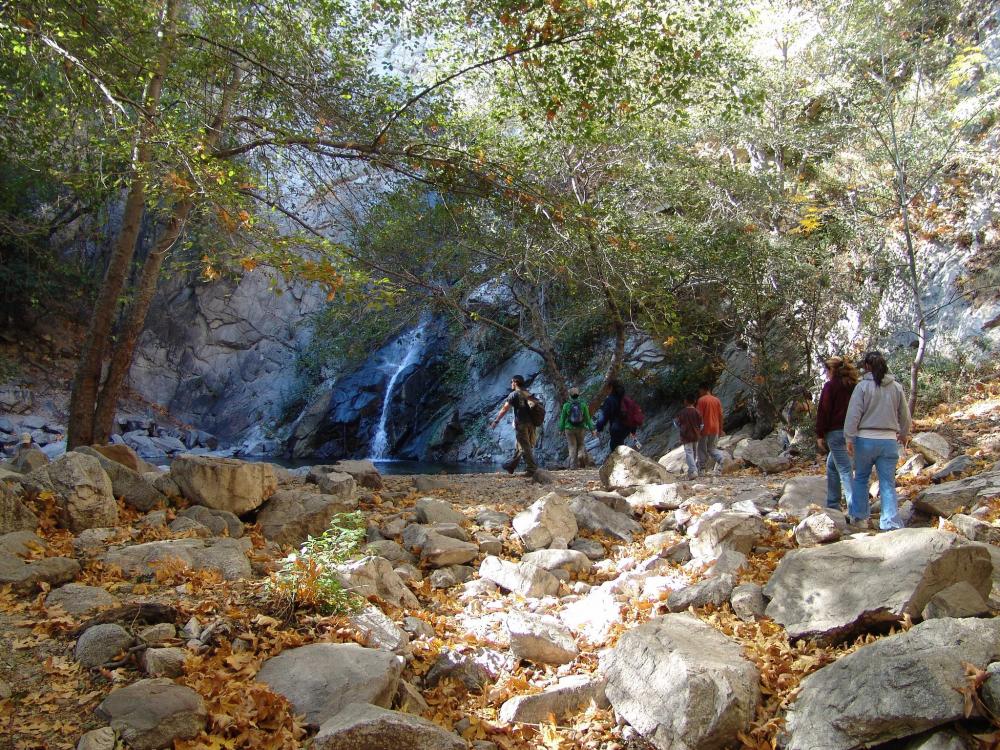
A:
x: 839, y: 472
x: 691, y: 458
x: 883, y: 455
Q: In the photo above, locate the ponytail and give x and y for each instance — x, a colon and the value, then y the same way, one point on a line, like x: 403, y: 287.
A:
x: 876, y: 365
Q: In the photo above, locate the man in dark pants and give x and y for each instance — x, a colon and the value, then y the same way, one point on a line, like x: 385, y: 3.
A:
x: 524, y: 428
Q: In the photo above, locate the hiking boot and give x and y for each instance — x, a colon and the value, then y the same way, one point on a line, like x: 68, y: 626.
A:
x: 858, y: 524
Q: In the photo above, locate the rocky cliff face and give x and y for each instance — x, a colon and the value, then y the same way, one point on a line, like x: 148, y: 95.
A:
x: 221, y: 355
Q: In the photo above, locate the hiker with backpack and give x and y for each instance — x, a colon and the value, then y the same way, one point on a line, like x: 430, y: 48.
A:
x: 620, y: 413
x: 529, y: 413
x: 575, y: 421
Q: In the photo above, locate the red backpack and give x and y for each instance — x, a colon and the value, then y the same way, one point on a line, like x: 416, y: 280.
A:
x: 631, y: 415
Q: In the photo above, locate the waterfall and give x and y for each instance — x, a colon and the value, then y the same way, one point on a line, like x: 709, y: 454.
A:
x: 380, y: 443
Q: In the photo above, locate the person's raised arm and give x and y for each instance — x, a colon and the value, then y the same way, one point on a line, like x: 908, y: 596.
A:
x: 503, y: 410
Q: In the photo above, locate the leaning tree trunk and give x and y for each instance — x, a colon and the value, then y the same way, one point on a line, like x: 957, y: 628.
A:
x: 121, y: 356
x: 618, y: 354
x: 121, y: 359
x: 918, y: 305
x: 86, y: 382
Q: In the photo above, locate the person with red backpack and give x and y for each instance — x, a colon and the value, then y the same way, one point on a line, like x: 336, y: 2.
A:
x: 620, y: 413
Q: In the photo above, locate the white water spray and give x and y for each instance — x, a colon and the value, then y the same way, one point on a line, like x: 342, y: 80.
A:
x: 380, y: 443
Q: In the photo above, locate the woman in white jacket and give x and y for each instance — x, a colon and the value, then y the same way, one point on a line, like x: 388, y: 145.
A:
x: 878, y: 420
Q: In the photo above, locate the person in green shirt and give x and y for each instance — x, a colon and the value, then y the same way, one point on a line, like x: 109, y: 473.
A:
x: 575, y: 421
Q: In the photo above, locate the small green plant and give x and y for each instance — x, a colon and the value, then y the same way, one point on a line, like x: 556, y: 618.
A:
x: 308, y: 579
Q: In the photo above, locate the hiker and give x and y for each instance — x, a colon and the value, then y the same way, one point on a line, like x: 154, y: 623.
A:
x: 575, y: 421
x: 621, y: 414
x: 877, y: 421
x: 524, y: 426
x: 841, y: 377
x: 689, y: 425
x: 710, y: 409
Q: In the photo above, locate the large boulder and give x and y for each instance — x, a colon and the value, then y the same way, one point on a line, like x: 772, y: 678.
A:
x: 674, y: 461
x: 540, y: 639
x: 570, y: 560
x: 948, y: 498
x: 764, y: 454
x: 801, y: 492
x: 290, y: 516
x: 658, y: 496
x: 78, y: 599
x: 83, y: 491
x: 364, y: 472
x: 332, y: 482
x: 718, y: 530
x: 681, y: 684
x: 362, y: 726
x: 25, y: 577
x: 626, y: 467
x: 440, y: 551
x: 931, y: 446
x: 320, y: 679
x: 127, y: 483
x: 820, y: 528
x: 100, y: 644
x: 374, y: 576
x: 548, y: 518
x: 219, y: 522
x: 521, y: 578
x: 593, y: 515
x: 14, y: 514
x: 569, y: 695
x: 27, y: 461
x: 893, y: 688
x: 225, y: 556
x: 224, y: 483
x: 151, y: 714
x: 123, y: 455
x: 841, y: 589
x: 432, y: 510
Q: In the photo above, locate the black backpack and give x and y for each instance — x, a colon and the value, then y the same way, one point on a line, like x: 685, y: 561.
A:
x: 576, y: 413
x: 537, y: 409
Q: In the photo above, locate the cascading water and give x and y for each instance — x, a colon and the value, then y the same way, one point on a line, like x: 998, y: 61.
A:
x: 380, y: 443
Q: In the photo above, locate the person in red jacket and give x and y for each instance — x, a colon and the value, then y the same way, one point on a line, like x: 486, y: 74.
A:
x: 710, y: 409
x: 841, y: 377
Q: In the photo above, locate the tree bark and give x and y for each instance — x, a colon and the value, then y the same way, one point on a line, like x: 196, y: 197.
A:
x: 121, y: 358
x: 86, y: 382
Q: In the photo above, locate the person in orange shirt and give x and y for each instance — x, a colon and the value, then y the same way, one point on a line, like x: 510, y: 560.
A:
x: 710, y: 409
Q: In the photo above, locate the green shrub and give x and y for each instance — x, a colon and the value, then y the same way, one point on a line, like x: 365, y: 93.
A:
x: 308, y: 579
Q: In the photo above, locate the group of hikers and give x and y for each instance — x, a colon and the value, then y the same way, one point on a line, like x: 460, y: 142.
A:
x: 860, y: 422
x: 619, y: 413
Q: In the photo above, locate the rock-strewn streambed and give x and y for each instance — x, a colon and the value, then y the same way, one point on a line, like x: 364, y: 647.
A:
x: 596, y: 609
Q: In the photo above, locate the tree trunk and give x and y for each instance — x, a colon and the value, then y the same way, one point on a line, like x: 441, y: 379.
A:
x: 121, y: 359
x: 618, y: 355
x: 86, y: 382
x: 121, y: 356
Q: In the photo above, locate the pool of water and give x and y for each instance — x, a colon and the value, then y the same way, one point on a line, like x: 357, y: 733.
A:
x: 393, y: 466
